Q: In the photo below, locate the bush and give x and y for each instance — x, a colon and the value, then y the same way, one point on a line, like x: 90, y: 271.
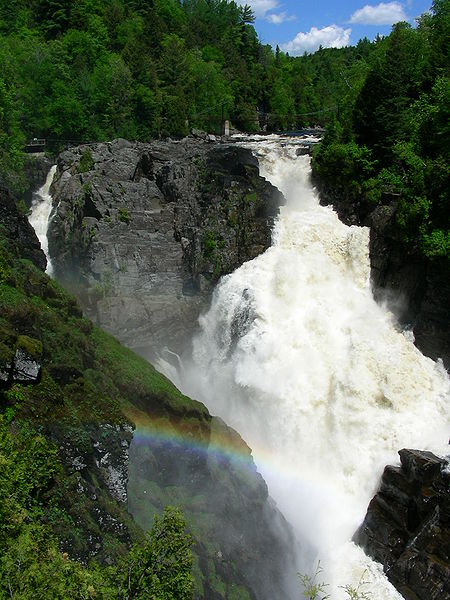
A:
x: 86, y: 162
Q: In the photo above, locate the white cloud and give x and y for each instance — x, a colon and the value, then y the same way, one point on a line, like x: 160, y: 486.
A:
x: 260, y: 7
x: 385, y: 13
x: 332, y: 36
x: 278, y: 18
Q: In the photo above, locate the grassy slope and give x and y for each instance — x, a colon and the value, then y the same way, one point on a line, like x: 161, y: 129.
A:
x: 90, y: 381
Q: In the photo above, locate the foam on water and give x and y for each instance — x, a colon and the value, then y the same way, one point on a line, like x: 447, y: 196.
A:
x: 41, y: 208
x: 315, y: 375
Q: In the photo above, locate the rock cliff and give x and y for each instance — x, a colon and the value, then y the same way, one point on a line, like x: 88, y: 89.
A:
x: 417, y: 288
x: 407, y: 526
x: 18, y: 228
x: 143, y: 231
x: 127, y: 441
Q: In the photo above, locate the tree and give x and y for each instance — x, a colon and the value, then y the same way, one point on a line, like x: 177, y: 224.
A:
x: 392, y: 84
x: 161, y: 568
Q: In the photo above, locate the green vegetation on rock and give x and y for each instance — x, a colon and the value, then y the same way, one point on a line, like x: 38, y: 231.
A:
x: 393, y: 142
x: 51, y: 492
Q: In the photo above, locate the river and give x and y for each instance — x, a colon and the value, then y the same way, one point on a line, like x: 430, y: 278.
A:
x: 318, y: 378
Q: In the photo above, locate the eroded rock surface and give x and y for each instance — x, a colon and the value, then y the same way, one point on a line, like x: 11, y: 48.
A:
x: 143, y: 231
x: 407, y: 526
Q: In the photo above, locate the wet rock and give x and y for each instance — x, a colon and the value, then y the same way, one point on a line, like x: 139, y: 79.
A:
x: 27, y: 360
x: 36, y: 169
x: 26, y: 368
x: 303, y: 150
x: 407, y: 526
x: 20, y: 231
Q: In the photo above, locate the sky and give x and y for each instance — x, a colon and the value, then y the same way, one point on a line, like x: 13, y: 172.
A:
x: 302, y: 25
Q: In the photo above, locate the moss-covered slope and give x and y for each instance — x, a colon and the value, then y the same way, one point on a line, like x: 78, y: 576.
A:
x: 83, y: 398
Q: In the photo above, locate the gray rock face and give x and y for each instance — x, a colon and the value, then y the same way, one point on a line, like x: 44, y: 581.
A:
x: 36, y: 167
x: 407, y: 526
x: 142, y: 236
x: 26, y: 369
x: 18, y: 365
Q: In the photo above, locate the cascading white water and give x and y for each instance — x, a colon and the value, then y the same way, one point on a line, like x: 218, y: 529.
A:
x: 39, y: 218
x: 317, y: 378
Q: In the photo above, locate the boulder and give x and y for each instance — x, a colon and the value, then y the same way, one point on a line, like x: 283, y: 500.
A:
x: 407, y: 526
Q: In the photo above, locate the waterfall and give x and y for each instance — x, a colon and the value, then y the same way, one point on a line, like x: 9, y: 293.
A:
x: 317, y: 377
x: 41, y: 208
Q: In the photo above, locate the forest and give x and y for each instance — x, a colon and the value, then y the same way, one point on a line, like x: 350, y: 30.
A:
x: 92, y: 71
x: 75, y: 71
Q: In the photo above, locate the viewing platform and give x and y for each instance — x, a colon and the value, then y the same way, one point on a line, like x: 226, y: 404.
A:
x: 35, y: 145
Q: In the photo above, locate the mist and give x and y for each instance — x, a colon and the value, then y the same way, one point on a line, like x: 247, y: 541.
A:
x: 318, y: 378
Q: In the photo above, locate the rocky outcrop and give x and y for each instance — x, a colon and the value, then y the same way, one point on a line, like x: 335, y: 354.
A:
x: 143, y: 231
x: 19, y: 231
x: 418, y: 289
x: 36, y: 168
x: 241, y: 539
x: 127, y: 441
x: 407, y: 526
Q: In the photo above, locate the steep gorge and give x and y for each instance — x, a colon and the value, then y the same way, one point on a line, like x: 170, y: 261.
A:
x: 128, y: 440
x: 143, y: 231
x: 242, y: 323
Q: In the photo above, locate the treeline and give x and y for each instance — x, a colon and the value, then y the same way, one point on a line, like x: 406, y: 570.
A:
x: 394, y: 142
x: 32, y: 565
x: 90, y: 70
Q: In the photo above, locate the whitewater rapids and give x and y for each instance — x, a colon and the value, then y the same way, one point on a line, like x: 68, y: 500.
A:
x: 317, y: 377
x: 39, y: 218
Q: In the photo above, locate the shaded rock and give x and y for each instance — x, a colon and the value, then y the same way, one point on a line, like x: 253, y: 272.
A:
x: 27, y: 360
x: 240, y: 537
x: 303, y: 150
x: 95, y: 458
x: 26, y: 368
x: 418, y: 289
x: 36, y: 169
x: 407, y: 526
x: 19, y: 231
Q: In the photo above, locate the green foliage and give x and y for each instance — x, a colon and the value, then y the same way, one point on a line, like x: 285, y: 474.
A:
x: 161, y: 567
x: 31, y: 346
x: 312, y: 588
x: 92, y: 71
x: 315, y: 590
x: 86, y: 162
x: 31, y: 564
x: 436, y: 244
x: 124, y: 215
x: 209, y: 244
x: 401, y: 115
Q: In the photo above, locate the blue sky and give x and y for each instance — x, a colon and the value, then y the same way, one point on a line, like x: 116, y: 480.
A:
x: 302, y: 25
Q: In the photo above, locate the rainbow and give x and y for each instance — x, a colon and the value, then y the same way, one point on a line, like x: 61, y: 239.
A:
x: 219, y: 440
x: 223, y: 444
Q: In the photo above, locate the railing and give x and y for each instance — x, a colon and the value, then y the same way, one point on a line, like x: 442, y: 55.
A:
x: 35, y: 145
